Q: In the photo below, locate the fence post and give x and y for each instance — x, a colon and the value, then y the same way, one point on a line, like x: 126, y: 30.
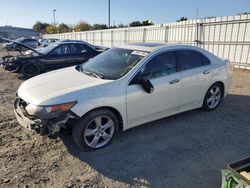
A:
x: 166, y: 34
x: 112, y: 38
x: 101, y: 38
x: 144, y: 34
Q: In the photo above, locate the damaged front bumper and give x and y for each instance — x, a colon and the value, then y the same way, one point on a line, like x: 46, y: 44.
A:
x: 50, y: 127
x: 8, y: 64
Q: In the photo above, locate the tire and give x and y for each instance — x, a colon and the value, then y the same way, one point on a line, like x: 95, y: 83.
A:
x: 93, y: 131
x: 30, y: 70
x: 213, y: 97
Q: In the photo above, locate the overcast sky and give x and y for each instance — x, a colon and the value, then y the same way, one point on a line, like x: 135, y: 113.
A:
x: 24, y: 13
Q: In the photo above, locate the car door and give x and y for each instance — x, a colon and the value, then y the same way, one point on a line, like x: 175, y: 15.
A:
x: 164, y: 100
x: 195, y: 69
x: 57, y: 58
x: 79, y: 53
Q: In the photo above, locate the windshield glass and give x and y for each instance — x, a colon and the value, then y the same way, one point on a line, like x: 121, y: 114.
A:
x: 113, y: 63
x: 20, y: 40
x: 47, y: 49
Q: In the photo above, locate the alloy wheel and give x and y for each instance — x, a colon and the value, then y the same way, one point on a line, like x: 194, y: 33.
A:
x: 214, y: 96
x: 99, y: 131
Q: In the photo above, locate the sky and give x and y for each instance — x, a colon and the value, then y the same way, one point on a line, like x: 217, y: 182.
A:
x: 24, y: 13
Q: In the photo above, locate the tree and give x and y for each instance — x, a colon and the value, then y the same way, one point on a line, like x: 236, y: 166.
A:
x: 40, y: 27
x: 135, y: 24
x: 82, y: 26
x: 121, y: 25
x: 147, y: 22
x: 182, y: 19
x: 143, y: 23
x: 99, y: 26
x: 51, y: 29
x: 63, y: 28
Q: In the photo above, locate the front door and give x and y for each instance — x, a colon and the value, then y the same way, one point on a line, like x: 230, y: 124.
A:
x: 57, y: 58
x: 164, y: 100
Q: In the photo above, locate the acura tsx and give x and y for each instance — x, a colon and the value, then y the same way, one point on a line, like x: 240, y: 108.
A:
x: 121, y: 88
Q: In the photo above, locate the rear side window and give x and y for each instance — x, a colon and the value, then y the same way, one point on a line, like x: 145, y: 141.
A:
x: 189, y: 59
x: 78, y: 49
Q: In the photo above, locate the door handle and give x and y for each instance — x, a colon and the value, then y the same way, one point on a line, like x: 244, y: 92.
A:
x: 206, y: 72
x: 174, y: 81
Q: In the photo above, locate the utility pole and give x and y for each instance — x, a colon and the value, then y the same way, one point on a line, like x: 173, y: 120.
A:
x: 54, y: 16
x: 109, y: 12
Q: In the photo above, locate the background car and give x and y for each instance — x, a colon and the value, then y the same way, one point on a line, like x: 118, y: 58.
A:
x: 55, y: 56
x: 46, y: 42
x: 121, y: 88
x: 33, y: 43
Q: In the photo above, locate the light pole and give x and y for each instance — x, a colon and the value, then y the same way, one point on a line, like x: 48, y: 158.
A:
x: 54, y: 16
x: 109, y: 12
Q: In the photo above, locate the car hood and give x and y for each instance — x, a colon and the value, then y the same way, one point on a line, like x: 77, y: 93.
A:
x: 40, y: 89
x: 12, y: 42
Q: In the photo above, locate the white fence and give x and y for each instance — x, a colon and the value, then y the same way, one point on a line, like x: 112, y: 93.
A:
x: 226, y: 37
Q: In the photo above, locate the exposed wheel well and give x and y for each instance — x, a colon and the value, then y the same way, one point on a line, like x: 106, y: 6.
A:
x: 222, y: 86
x: 116, y: 112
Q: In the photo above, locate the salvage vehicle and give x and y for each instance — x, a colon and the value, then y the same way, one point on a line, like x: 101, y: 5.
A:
x: 12, y: 45
x: 121, y: 88
x: 55, y: 56
x: 46, y: 42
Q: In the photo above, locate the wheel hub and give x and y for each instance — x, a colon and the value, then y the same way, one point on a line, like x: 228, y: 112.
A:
x: 99, y: 131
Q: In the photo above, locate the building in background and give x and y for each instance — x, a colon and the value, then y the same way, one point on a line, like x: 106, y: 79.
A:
x: 17, y: 32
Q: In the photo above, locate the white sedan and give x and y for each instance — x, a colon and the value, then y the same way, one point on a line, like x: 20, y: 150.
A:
x: 121, y: 88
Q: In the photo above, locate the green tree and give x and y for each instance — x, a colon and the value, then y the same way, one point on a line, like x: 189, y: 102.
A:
x: 51, y: 29
x: 63, y: 28
x: 40, y: 27
x: 99, y: 26
x: 182, y: 19
x: 147, y: 22
x: 135, y: 24
x: 82, y: 26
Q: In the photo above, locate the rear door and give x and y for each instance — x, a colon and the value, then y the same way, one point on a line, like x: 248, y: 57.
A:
x: 79, y: 53
x: 196, y: 74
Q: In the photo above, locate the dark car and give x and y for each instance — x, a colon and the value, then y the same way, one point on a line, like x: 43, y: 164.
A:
x: 55, y: 56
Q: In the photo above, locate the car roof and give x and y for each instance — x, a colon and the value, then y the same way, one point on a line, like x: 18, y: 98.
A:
x: 150, y: 47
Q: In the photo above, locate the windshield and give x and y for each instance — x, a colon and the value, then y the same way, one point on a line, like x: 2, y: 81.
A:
x: 113, y: 64
x: 20, y: 40
x: 48, y: 48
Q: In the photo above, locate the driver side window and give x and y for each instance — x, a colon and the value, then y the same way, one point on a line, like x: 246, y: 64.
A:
x: 161, y: 65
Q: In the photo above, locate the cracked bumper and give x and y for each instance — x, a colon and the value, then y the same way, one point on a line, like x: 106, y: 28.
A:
x: 49, y: 127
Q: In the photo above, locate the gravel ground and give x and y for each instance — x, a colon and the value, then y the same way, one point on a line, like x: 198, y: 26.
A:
x: 185, y: 150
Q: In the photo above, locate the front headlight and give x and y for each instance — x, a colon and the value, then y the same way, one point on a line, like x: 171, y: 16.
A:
x: 60, y: 107
x: 47, y: 112
x: 33, y: 109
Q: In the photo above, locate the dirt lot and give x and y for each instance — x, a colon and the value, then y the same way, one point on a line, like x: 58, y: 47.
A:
x: 186, y: 150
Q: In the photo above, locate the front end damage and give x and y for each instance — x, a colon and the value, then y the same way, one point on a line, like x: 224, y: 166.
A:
x: 9, y: 64
x: 50, y: 127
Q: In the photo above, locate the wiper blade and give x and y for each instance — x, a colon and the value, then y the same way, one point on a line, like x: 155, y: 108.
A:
x: 93, y: 74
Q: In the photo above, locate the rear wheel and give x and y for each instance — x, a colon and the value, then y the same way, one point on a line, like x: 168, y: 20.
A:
x: 95, y: 130
x: 30, y: 70
x: 213, y: 97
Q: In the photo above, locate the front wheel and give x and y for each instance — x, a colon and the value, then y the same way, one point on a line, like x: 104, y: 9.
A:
x: 213, y: 97
x: 95, y: 130
x: 30, y: 70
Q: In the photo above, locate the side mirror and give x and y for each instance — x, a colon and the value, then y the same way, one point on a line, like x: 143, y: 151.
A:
x: 147, y: 85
